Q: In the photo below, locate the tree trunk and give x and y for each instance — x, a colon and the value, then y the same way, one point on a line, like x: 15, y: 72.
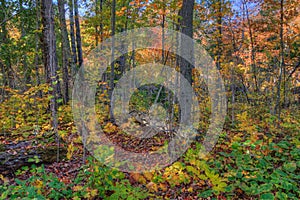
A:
x: 51, y: 61
x: 72, y: 36
x: 66, y: 64
x: 281, y: 67
x: 101, y: 21
x: 78, y: 34
x: 253, y: 64
x: 123, y: 48
x: 8, y: 73
x: 14, y: 156
x: 219, y: 36
x: 37, y: 39
x: 112, y: 71
x: 163, y: 34
x: 96, y: 25
x: 187, y: 50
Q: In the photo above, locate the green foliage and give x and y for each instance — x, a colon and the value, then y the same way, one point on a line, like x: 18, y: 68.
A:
x: 264, y: 169
x: 201, y: 169
x: 93, y: 181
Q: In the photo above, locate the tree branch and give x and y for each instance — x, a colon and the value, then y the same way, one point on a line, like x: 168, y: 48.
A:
x: 294, y: 70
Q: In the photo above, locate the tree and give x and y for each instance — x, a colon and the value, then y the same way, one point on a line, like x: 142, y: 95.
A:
x: 112, y: 70
x: 37, y: 46
x: 187, y: 50
x: 78, y: 34
x: 281, y: 63
x: 72, y: 36
x: 66, y: 59
x: 50, y: 60
x: 5, y: 42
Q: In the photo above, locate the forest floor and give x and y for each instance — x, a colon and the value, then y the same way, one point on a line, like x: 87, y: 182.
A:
x: 255, y: 158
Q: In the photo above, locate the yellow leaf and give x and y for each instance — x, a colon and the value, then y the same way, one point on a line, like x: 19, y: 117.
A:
x: 4, y: 179
x: 94, y: 192
x: 148, y: 176
x: 38, y: 184
x: 163, y: 187
x: 138, y: 178
x: 70, y: 151
x: 77, y: 188
x: 152, y: 187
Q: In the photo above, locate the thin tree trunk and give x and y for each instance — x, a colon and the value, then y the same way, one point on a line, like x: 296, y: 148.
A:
x: 96, y: 25
x: 27, y: 69
x: 253, y: 64
x: 282, y: 51
x: 4, y: 83
x: 37, y: 39
x: 219, y: 36
x: 101, y: 22
x: 72, y: 36
x: 163, y: 33
x: 65, y: 50
x: 112, y: 71
x: 78, y: 34
x: 123, y: 48
x: 281, y: 67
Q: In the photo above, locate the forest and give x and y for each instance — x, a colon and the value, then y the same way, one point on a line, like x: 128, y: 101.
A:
x: 150, y: 99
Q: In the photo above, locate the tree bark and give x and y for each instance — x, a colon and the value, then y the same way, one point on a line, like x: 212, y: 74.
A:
x: 186, y: 27
x: 253, y: 64
x: 72, y: 36
x: 51, y: 61
x: 37, y: 40
x: 219, y: 36
x: 281, y: 65
x: 14, y: 156
x: 78, y: 34
x: 112, y: 70
x: 187, y: 50
x: 66, y: 60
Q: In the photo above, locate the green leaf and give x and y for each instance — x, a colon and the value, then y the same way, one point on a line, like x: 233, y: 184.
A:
x: 206, y: 194
x: 290, y: 167
x: 267, y: 196
x: 59, y: 100
x: 281, y: 195
x: 265, y: 187
x: 283, y: 144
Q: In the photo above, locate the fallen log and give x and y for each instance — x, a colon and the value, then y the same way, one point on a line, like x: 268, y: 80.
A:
x: 13, y: 156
